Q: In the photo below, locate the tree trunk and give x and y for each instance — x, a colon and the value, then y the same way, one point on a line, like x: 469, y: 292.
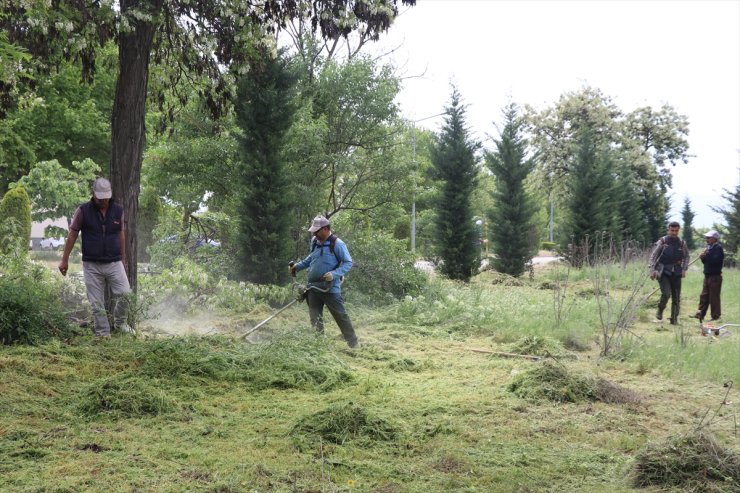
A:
x: 127, y: 126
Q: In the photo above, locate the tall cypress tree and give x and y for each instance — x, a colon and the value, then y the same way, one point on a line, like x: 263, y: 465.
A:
x: 630, y: 223
x: 731, y: 213
x: 591, y: 186
x: 687, y: 217
x: 264, y: 110
x: 454, y: 160
x: 512, y: 215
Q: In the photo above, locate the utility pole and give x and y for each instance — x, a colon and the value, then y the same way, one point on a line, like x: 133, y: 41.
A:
x: 552, y: 218
x: 413, y: 201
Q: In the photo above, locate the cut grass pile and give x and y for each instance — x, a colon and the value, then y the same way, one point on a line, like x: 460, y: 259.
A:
x: 554, y: 381
x: 342, y: 422
x: 290, y: 361
x: 124, y: 396
x: 692, y: 462
x: 540, y: 346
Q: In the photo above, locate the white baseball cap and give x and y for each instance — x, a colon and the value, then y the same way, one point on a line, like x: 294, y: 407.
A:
x: 101, y: 188
x: 318, y: 223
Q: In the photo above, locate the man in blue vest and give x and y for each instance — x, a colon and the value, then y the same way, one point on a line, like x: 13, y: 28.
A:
x: 103, y: 249
x: 327, y: 263
x: 668, y: 263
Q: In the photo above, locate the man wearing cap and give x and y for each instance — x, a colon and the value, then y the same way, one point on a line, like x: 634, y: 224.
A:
x: 669, y: 261
x: 713, y: 257
x: 103, y: 249
x: 327, y: 263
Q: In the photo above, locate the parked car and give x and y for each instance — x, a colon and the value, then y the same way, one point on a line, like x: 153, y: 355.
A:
x: 52, y: 243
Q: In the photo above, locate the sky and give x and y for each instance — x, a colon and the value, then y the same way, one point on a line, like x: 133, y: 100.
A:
x: 638, y: 53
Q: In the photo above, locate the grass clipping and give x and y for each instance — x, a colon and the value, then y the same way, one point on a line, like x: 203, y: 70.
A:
x: 289, y: 361
x: 694, y: 462
x: 555, y: 382
x: 124, y: 396
x: 342, y: 422
x: 540, y: 346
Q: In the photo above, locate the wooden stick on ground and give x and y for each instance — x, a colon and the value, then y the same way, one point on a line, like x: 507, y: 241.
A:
x: 505, y: 355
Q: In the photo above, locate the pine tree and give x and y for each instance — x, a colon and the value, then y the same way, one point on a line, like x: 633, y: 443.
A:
x: 630, y: 223
x: 512, y: 215
x: 687, y: 218
x: 454, y: 160
x: 590, y: 201
x: 731, y: 213
x: 264, y: 111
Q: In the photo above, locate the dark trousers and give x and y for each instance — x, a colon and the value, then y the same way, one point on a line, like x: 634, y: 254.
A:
x: 333, y: 301
x: 670, y: 287
x: 710, y: 296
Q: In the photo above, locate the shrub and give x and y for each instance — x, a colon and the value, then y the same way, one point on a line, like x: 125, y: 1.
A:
x: 30, y: 307
x: 15, y: 222
x: 548, y: 245
x: 383, y: 268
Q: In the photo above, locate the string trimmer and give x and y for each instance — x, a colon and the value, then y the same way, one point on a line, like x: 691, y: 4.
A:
x: 301, y: 292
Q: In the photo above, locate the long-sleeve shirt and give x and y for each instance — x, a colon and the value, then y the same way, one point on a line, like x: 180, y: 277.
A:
x: 321, y: 260
x: 713, y: 260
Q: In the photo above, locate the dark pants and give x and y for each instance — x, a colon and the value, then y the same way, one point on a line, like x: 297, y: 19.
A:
x: 670, y: 287
x: 333, y: 301
x: 710, y: 296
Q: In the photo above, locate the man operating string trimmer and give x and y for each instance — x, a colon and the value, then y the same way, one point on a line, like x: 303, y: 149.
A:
x: 327, y: 263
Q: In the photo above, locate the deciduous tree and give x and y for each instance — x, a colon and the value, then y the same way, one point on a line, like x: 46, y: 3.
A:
x: 198, y: 38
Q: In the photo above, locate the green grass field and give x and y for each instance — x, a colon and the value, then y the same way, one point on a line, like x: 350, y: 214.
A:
x: 425, y: 406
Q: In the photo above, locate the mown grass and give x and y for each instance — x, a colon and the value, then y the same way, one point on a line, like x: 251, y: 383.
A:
x: 415, y: 410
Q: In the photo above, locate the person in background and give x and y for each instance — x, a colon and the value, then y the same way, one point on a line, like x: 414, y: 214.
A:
x: 101, y: 223
x: 713, y: 257
x: 669, y: 261
x: 327, y: 263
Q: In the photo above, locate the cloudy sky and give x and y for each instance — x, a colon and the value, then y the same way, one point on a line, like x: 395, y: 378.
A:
x: 684, y: 53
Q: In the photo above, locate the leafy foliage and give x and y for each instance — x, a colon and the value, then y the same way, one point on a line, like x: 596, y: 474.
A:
x: 15, y: 222
x: 383, y: 268
x: 30, y: 308
x: 512, y: 216
x: 640, y: 144
x: 57, y: 191
x: 455, y: 164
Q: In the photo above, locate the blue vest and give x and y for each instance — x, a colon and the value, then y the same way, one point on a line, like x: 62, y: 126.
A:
x: 100, y: 235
